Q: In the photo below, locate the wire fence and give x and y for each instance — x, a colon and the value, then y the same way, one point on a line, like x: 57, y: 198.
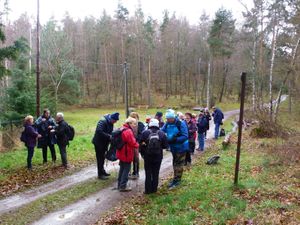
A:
x: 10, y: 123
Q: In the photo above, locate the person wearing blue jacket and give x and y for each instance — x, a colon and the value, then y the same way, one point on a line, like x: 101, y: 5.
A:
x: 218, y: 117
x: 178, y: 140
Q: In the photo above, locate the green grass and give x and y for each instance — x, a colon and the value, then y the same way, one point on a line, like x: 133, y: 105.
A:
x: 207, y: 194
x: 35, y: 210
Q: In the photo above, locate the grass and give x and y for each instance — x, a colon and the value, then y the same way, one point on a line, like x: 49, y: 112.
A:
x: 266, y: 194
x: 35, y: 210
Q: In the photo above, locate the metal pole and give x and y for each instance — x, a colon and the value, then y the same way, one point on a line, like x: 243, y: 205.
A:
x: 38, y: 60
x: 126, y: 89
x: 238, y: 151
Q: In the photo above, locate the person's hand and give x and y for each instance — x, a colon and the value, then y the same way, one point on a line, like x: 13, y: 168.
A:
x: 39, y: 136
x: 172, y: 140
x: 52, y: 131
x: 143, y: 144
x: 43, y: 119
x: 50, y: 127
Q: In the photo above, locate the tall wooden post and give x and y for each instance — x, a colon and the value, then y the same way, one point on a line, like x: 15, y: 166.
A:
x: 238, y: 151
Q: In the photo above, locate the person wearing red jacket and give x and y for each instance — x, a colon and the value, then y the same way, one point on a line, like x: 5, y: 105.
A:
x: 126, y: 153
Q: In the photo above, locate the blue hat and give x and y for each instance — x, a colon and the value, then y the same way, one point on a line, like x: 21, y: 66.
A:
x: 170, y: 114
x: 114, y: 116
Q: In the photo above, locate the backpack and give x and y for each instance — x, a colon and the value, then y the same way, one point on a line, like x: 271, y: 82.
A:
x: 117, y: 140
x: 111, y: 154
x: 213, y: 160
x: 23, y: 137
x: 222, y: 132
x: 71, y: 133
x: 154, y: 144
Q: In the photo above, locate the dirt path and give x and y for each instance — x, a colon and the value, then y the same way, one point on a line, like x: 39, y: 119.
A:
x: 87, y: 211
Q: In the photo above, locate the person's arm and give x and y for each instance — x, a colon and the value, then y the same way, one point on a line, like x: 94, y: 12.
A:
x: 32, y: 132
x: 164, y: 141
x: 164, y: 128
x: 183, y: 133
x: 130, y: 139
x: 100, y: 130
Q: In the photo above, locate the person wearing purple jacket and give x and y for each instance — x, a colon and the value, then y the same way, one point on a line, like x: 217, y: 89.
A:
x: 31, y: 136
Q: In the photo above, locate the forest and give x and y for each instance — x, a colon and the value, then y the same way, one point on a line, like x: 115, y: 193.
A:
x: 82, y: 61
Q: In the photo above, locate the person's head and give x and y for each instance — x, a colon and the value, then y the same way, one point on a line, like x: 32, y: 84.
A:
x: 170, y: 116
x: 114, y: 117
x: 46, y: 113
x: 132, y: 122
x: 206, y: 110
x: 214, y: 108
x: 180, y: 115
x: 148, y: 118
x: 154, y: 123
x: 201, y: 114
x: 59, y: 117
x: 134, y: 115
x: 158, y: 115
x: 188, y: 117
x: 28, y: 120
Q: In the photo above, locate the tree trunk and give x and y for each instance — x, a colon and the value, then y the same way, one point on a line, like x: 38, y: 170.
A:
x: 274, y: 40
x: 225, y: 71
x: 208, y: 87
x: 254, y: 75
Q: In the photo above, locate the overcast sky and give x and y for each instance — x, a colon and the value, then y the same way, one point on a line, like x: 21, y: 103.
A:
x: 192, y: 9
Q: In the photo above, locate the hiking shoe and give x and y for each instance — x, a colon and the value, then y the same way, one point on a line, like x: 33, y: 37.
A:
x: 102, y: 177
x: 173, y: 185
x: 125, y: 189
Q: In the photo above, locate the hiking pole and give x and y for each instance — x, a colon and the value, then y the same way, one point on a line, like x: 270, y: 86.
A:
x: 238, y: 150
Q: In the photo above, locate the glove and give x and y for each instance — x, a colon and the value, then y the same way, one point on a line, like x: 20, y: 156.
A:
x: 172, y: 140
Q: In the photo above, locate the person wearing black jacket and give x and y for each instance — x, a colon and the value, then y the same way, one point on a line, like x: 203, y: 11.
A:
x: 208, y: 118
x: 102, y: 139
x: 44, y: 125
x: 61, y: 131
x: 152, y: 157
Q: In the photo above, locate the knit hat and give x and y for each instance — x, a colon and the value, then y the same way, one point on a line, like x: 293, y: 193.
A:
x: 154, y: 123
x: 114, y: 116
x: 159, y: 114
x: 170, y: 114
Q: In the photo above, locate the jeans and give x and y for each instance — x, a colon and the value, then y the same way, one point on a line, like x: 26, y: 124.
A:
x: 217, y: 130
x: 123, y: 174
x: 152, y: 168
x: 100, y: 156
x: 63, y: 154
x: 29, y: 156
x: 201, y: 139
x: 52, y: 150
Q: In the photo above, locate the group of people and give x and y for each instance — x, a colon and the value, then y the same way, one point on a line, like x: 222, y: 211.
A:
x: 178, y: 135
x: 46, y: 132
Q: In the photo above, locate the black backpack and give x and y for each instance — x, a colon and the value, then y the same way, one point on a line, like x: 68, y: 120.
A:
x: 117, y: 140
x: 154, y: 143
x: 111, y: 154
x: 222, y: 132
x: 23, y: 137
x: 71, y: 133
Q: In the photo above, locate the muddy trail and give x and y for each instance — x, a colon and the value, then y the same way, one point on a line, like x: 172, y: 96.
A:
x: 88, y: 210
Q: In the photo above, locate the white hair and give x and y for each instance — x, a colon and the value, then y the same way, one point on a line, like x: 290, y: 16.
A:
x: 60, y: 114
